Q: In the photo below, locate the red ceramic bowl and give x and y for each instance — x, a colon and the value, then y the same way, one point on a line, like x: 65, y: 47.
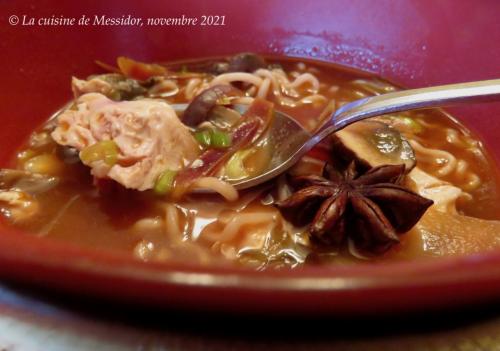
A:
x: 414, y: 43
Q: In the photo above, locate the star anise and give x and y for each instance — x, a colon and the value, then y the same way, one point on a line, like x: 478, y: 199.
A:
x: 371, y: 209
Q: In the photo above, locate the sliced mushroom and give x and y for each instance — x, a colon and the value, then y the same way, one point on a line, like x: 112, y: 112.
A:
x: 224, y: 118
x: 218, y: 68
x: 27, y: 182
x: 198, y: 109
x: 18, y: 191
x: 246, y: 62
x: 372, y: 144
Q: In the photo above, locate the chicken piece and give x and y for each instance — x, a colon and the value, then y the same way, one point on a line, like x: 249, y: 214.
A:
x: 94, y: 85
x: 114, y: 86
x: 148, y: 134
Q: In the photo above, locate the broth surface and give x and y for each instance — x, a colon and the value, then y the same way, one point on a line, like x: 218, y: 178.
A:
x: 114, y: 218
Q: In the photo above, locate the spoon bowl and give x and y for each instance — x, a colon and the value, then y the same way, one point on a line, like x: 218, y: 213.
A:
x: 286, y: 136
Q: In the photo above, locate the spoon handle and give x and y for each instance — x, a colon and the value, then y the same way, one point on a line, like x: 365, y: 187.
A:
x: 438, y: 96
x: 487, y: 90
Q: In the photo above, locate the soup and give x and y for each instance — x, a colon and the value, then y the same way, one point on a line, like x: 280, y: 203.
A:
x: 121, y: 168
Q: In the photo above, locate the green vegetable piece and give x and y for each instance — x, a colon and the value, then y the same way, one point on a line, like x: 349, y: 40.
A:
x: 106, y: 151
x: 235, y: 169
x: 203, y: 138
x: 165, y: 182
x: 213, y: 138
x: 414, y: 125
x: 220, y: 139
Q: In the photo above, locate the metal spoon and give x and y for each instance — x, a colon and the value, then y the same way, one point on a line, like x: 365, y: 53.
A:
x: 291, y: 141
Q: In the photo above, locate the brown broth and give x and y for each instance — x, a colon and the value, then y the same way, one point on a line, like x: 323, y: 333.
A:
x: 77, y: 213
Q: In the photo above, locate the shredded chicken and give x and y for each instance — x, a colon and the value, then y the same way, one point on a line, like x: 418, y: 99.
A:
x: 94, y: 85
x: 147, y: 132
x: 115, y: 86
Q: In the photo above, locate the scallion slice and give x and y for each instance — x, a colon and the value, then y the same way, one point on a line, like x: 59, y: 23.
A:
x: 165, y: 182
x: 220, y: 139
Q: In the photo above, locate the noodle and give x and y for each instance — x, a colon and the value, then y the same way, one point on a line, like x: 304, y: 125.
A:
x: 284, y: 190
x: 251, y: 91
x: 237, y: 222
x: 281, y: 85
x: 264, y: 88
x: 148, y: 224
x: 286, y: 101
x: 172, y: 220
x: 437, y: 157
x: 262, y: 81
x: 241, y: 219
x: 473, y: 182
x: 452, y: 165
x: 265, y: 73
x: 165, y: 88
x: 219, y: 186
x: 194, y: 87
x: 315, y: 99
x: 452, y: 136
x: 189, y: 90
x: 327, y: 111
x: 461, y: 167
x: 228, y: 78
x: 306, y: 78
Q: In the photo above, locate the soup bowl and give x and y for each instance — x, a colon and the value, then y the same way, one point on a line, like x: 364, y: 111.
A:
x: 413, y: 43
